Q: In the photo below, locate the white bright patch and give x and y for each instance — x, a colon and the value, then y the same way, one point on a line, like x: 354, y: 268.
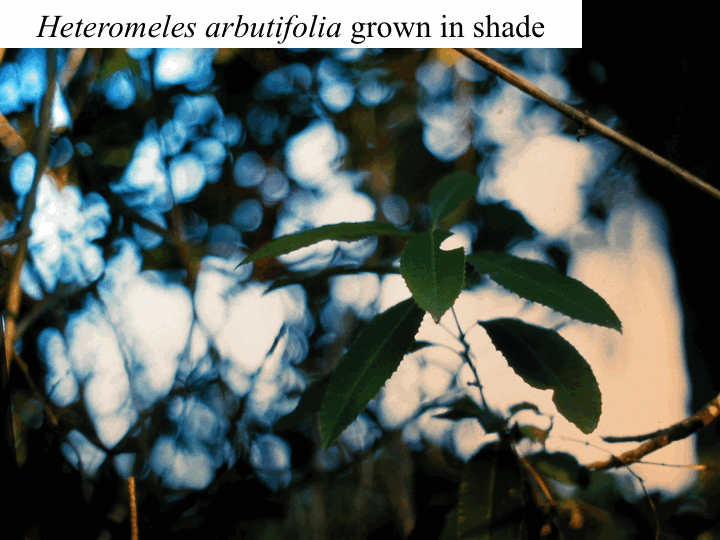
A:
x: 543, y: 180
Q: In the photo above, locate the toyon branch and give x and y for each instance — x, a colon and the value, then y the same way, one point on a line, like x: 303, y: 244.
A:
x: 584, y: 119
x: 660, y: 439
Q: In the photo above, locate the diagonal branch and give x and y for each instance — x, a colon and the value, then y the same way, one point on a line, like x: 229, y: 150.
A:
x: 72, y: 64
x: 42, y: 142
x: 583, y: 118
x: 704, y: 417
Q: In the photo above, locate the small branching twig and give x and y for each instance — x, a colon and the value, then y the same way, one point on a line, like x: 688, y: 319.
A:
x: 42, y: 143
x: 466, y: 356
x: 659, y: 439
x: 633, y: 473
x: 575, y: 114
x: 540, y: 481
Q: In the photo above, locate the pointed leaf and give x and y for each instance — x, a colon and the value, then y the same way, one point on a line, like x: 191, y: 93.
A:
x: 450, y: 192
x: 545, y: 360
x: 559, y: 466
x: 343, y: 232
x: 524, y: 406
x: 534, y: 433
x: 542, y: 284
x: 313, y: 279
x: 371, y: 360
x: 434, y: 277
x: 465, y: 407
x: 490, y: 502
x: 309, y: 404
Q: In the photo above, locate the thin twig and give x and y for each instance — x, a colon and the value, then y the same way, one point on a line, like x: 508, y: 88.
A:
x: 699, y: 467
x: 635, y: 438
x: 2, y: 54
x: 10, y: 138
x: 42, y: 141
x: 571, y: 112
x: 466, y: 356
x: 638, y: 478
x: 704, y: 417
x: 538, y: 479
x: 49, y: 412
x: 72, y: 64
x: 134, y: 535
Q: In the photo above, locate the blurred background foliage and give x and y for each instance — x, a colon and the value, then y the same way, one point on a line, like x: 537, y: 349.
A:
x: 254, y: 144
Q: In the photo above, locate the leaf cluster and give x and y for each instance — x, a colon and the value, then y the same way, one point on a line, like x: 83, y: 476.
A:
x: 435, y: 277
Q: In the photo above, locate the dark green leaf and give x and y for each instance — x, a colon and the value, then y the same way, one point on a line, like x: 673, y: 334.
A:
x: 343, y: 232
x: 542, y: 284
x: 465, y: 407
x: 371, y: 360
x: 309, y: 404
x: 559, y: 466
x: 534, y: 433
x: 491, y: 499
x: 545, y: 360
x: 434, y: 277
x: 117, y: 60
x: 524, y: 406
x: 450, y: 192
x: 312, y: 279
x: 419, y: 345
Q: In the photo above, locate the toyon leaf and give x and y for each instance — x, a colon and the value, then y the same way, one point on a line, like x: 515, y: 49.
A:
x: 369, y: 362
x: 545, y: 360
x: 559, y: 466
x: 491, y: 502
x: 450, y: 192
x: 308, y: 405
x: 465, y: 407
x: 343, y: 232
x: 524, y: 406
x: 434, y: 277
x: 542, y: 284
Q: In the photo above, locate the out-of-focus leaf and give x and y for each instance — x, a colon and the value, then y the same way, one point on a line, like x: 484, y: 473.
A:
x: 451, y: 191
x: 343, y: 232
x: 434, y: 277
x: 491, y: 499
x: 545, y: 360
x: 534, y: 433
x: 309, y: 404
x: 116, y: 60
x: 419, y: 345
x: 394, y: 470
x: 465, y: 407
x: 524, y: 406
x: 508, y: 226
x: 369, y: 362
x: 559, y: 466
x: 542, y: 284
x: 310, y: 279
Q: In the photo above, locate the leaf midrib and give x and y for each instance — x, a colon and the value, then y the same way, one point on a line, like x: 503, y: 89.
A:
x: 389, y: 337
